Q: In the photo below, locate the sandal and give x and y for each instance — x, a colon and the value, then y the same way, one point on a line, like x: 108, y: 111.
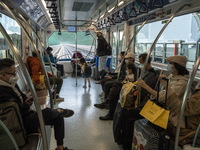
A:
x: 65, y: 112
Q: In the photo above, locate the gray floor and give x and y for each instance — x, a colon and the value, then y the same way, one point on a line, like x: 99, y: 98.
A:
x: 84, y: 130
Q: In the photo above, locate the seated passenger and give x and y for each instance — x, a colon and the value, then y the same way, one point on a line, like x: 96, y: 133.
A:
x: 10, y: 90
x: 177, y: 79
x: 177, y: 84
x: 113, y: 88
x: 129, y: 116
x: 111, y: 76
x: 36, y: 70
x: 191, y: 116
x: 130, y: 68
x: 52, y: 59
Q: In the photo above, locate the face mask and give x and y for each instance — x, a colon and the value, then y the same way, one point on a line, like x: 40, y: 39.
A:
x: 13, y: 80
x: 126, y: 61
x: 169, y: 68
x: 119, y: 58
x: 141, y: 66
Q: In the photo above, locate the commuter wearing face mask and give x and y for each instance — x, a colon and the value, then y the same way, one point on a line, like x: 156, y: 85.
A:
x: 177, y: 79
x: 112, y: 88
x: 10, y: 91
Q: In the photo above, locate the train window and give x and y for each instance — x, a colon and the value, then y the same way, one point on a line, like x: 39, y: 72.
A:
x: 65, y: 44
x: 179, y: 38
x: 14, y: 31
x: 121, y: 40
x: 114, y: 49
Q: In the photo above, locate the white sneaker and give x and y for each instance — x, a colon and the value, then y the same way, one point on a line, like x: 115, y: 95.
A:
x: 60, y: 99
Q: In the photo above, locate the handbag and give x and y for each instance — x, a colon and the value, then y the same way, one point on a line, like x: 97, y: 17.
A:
x: 156, y: 114
x: 128, y: 96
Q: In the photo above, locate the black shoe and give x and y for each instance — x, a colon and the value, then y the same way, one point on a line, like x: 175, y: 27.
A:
x: 65, y: 148
x: 102, y: 105
x: 106, y: 117
x: 65, y: 112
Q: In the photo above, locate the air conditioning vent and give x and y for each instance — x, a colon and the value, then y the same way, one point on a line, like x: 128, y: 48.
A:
x: 82, y: 6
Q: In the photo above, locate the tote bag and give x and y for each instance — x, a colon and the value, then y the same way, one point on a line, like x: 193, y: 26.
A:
x: 155, y: 114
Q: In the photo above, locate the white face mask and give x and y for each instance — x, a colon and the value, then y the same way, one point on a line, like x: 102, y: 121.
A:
x: 141, y: 66
x: 13, y: 80
x: 126, y: 61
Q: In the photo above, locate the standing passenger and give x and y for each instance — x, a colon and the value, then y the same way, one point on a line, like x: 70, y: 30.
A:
x: 101, y: 51
x: 86, y: 72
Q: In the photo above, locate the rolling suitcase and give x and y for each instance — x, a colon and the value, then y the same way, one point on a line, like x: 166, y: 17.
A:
x: 146, y: 137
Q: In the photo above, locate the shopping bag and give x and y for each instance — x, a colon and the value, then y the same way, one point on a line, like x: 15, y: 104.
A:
x: 155, y: 114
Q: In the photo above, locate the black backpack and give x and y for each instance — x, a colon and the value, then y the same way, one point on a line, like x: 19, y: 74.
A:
x: 88, y: 70
x: 108, y: 49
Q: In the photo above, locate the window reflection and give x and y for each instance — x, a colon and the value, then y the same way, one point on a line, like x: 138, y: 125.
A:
x: 14, y: 31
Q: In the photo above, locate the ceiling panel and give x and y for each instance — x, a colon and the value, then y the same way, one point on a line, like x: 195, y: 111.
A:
x: 80, y: 10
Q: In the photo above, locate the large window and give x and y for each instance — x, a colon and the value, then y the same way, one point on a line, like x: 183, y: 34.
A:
x: 114, y: 49
x: 179, y: 38
x: 64, y: 44
x: 14, y: 31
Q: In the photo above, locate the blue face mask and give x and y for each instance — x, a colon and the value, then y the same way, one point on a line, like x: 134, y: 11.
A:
x: 169, y: 68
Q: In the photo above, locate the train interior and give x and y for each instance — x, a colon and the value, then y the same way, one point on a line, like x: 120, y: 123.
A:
x: 161, y: 28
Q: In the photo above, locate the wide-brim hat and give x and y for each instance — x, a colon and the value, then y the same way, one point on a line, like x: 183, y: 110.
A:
x: 179, y: 59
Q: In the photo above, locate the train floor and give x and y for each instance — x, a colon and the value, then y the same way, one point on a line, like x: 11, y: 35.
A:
x: 84, y: 130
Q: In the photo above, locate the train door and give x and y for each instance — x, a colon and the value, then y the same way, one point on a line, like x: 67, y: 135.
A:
x: 114, y: 41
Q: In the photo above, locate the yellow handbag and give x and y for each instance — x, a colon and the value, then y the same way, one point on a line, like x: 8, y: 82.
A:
x: 155, y: 114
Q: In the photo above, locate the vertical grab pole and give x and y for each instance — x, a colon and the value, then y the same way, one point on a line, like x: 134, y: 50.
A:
x: 30, y: 84
x: 76, y: 52
x: 49, y: 61
x: 185, y: 98
x: 155, y: 41
x: 30, y: 40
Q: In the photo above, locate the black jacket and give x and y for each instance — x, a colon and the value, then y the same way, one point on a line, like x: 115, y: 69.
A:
x: 7, y: 93
x: 101, y: 46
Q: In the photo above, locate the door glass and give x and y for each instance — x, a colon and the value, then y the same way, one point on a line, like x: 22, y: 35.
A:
x: 114, y: 49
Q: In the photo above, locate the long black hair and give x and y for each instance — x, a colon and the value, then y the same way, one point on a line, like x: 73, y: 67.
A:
x: 181, y: 70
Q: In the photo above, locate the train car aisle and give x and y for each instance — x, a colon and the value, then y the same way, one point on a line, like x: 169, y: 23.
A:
x: 84, y: 130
